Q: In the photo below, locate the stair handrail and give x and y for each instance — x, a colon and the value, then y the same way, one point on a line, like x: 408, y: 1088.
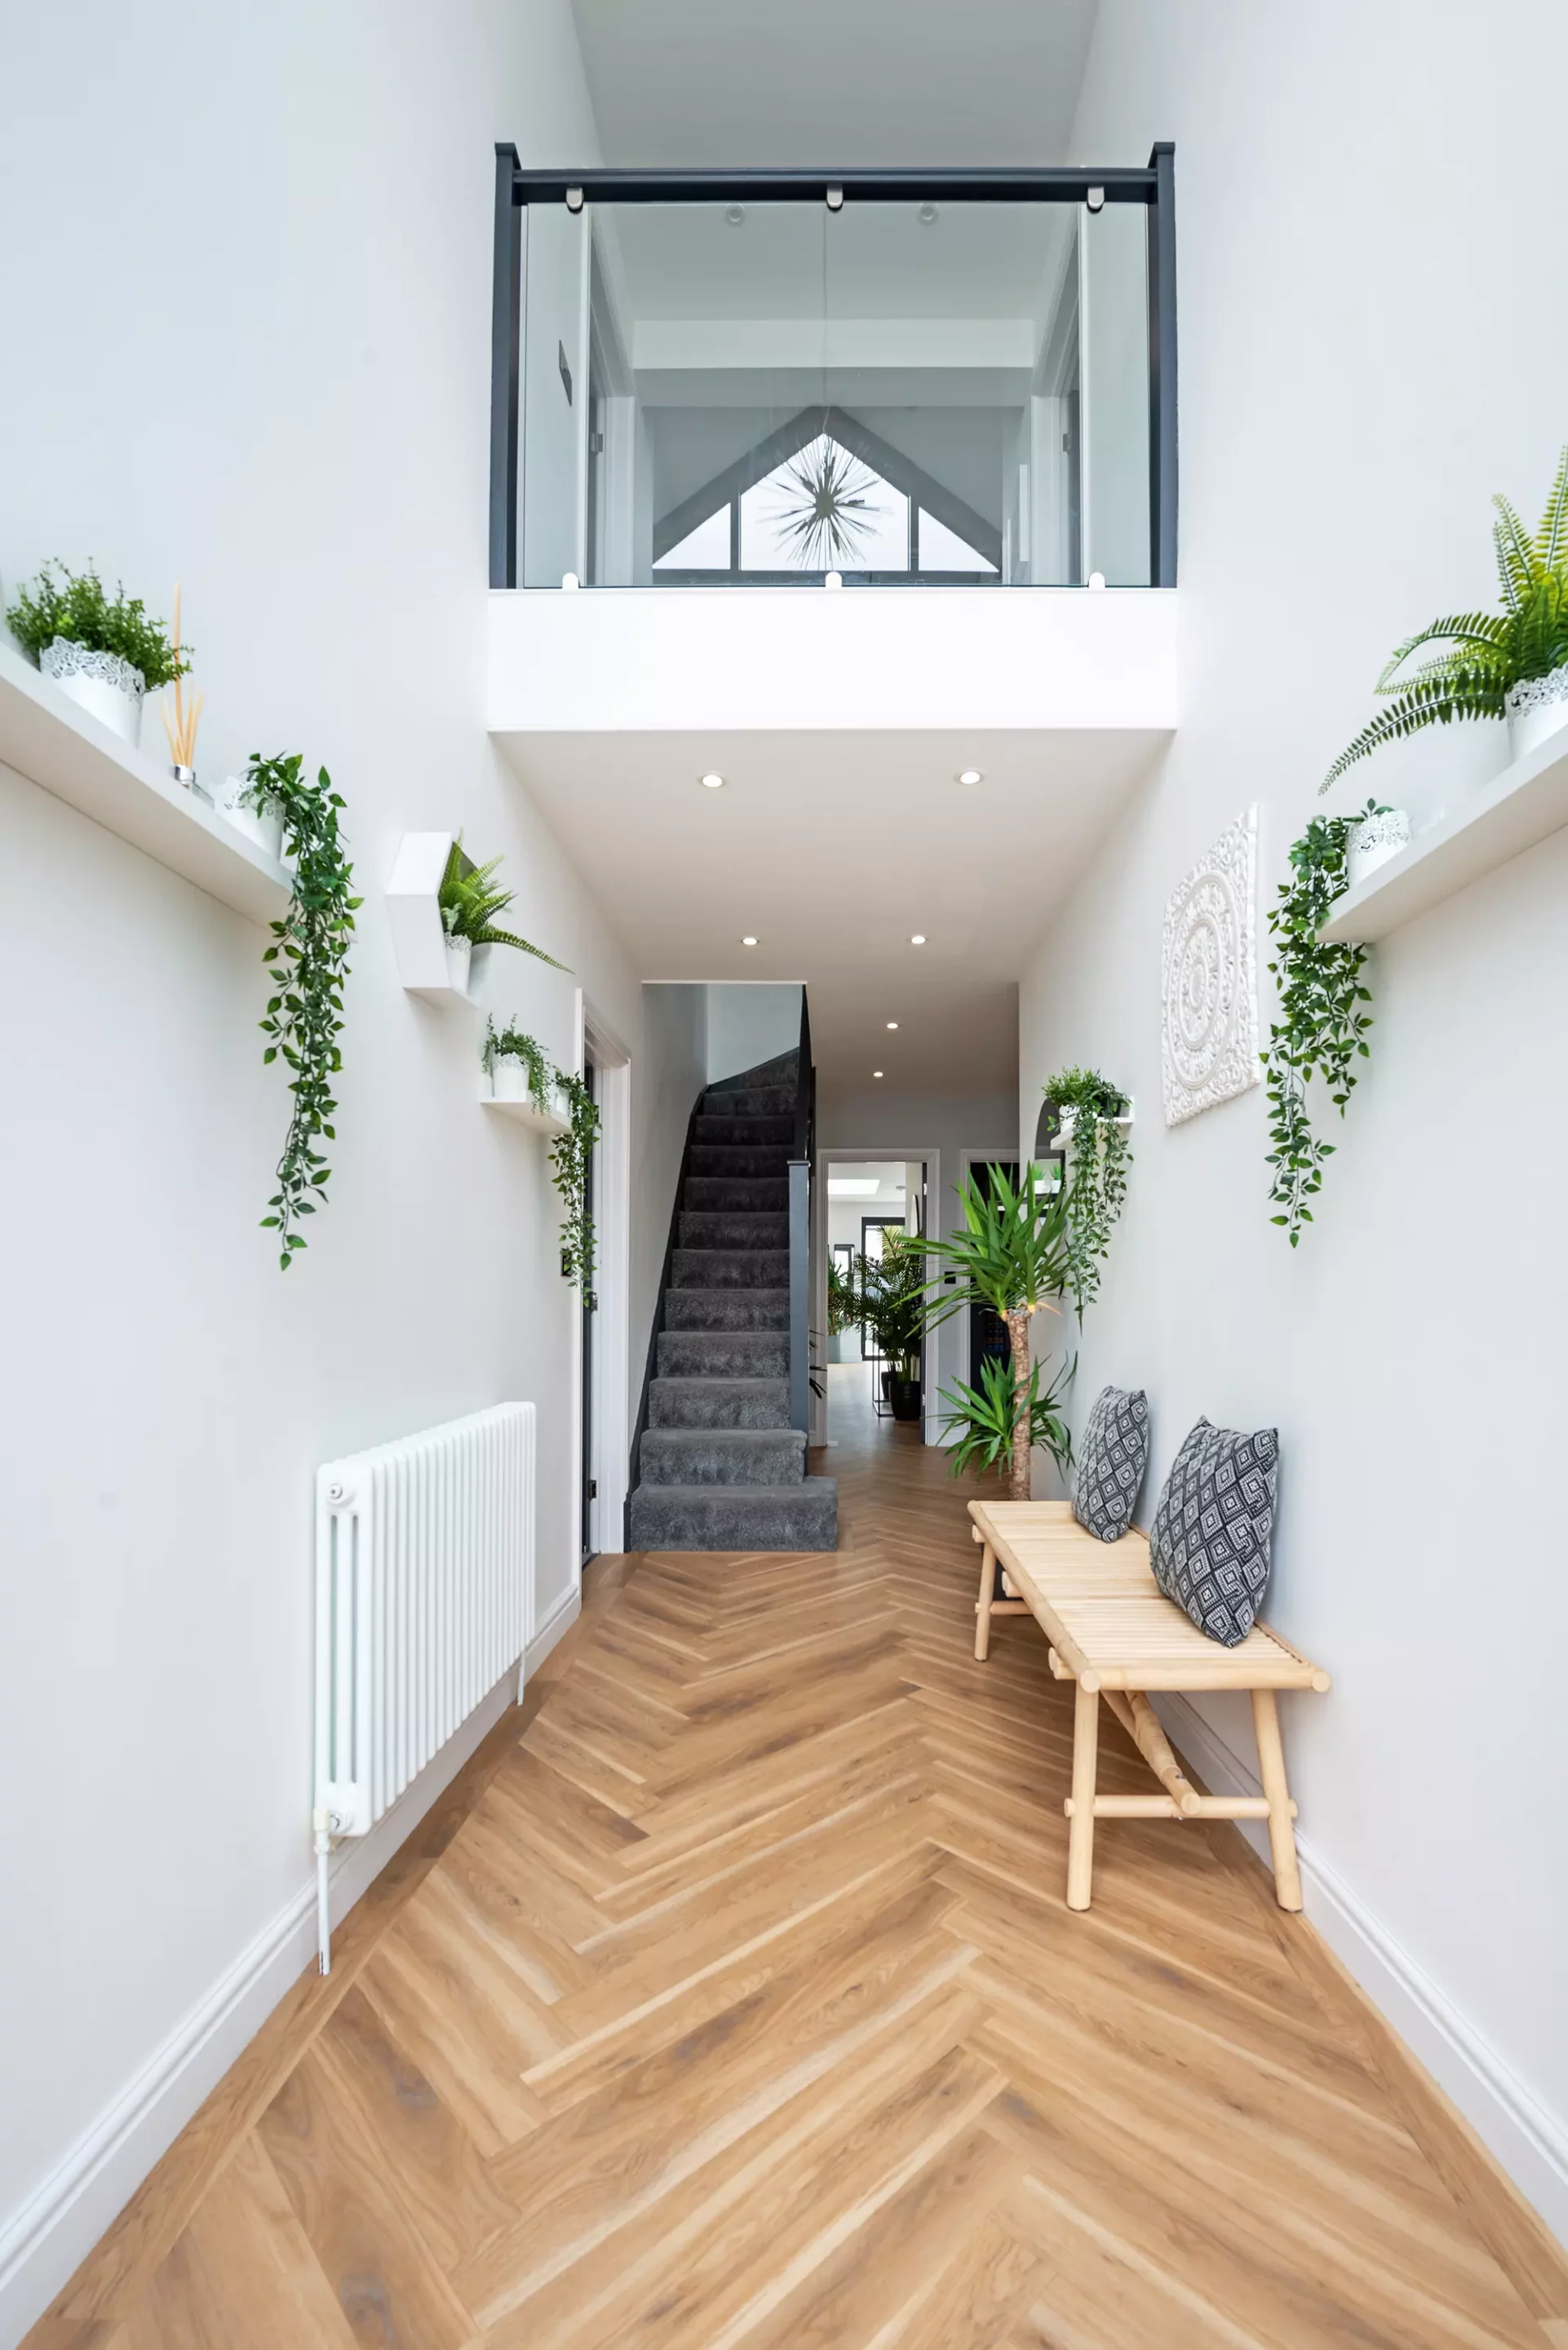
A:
x: 801, y: 1155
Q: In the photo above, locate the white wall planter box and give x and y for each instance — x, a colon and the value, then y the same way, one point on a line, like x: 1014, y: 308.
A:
x: 52, y: 741
x: 1525, y: 803
x: 413, y: 907
x: 555, y: 1119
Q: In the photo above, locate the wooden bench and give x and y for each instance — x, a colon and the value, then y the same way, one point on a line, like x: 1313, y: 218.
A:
x: 1112, y: 1630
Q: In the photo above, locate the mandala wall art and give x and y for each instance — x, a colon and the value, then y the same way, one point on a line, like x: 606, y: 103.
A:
x: 1208, y: 983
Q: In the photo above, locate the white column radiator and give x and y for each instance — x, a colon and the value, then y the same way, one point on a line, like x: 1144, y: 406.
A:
x: 424, y: 1575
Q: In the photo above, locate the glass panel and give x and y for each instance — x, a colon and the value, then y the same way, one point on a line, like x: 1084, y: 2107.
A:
x: 899, y: 392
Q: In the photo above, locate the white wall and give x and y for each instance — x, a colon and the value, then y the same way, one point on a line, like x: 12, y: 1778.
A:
x: 748, y: 1024
x: 250, y: 349
x: 1362, y: 217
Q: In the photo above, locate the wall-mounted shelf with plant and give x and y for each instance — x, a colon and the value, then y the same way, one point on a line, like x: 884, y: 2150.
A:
x: 1092, y: 1118
x: 59, y: 746
x: 101, y: 651
x: 442, y: 908
x: 520, y: 1081
x: 309, y: 961
x: 1509, y: 665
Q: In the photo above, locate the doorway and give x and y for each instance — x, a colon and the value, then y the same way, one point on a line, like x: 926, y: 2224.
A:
x: 857, y: 1203
x: 588, y: 1453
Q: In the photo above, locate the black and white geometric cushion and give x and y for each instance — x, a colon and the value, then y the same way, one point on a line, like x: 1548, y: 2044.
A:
x: 1112, y: 1457
x: 1209, y: 1547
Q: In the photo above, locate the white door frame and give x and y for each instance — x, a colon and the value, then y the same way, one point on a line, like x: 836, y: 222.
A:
x: 612, y: 1288
x: 826, y: 1155
x: 968, y: 1160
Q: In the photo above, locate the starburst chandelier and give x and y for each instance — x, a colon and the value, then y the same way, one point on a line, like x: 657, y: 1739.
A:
x: 828, y: 505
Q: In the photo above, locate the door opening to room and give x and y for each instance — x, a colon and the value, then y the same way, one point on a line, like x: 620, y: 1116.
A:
x: 876, y: 1366
x: 589, y: 1308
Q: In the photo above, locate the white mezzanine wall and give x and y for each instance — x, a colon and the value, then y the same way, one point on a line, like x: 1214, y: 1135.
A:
x: 1367, y: 206
x: 248, y: 331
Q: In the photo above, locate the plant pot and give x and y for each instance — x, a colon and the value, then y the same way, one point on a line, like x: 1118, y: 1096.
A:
x: 509, y: 1077
x: 1537, y: 709
x: 106, y: 687
x: 262, y: 825
x: 477, y: 964
x: 1374, y: 840
x: 904, y: 1395
x: 458, y: 954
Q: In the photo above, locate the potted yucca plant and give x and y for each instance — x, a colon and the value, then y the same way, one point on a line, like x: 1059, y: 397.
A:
x: 469, y: 900
x: 1512, y: 664
x: 101, y: 651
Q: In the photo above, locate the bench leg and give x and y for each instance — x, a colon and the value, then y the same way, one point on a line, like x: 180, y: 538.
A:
x: 1081, y: 1827
x: 1271, y: 1770
x: 982, y: 1605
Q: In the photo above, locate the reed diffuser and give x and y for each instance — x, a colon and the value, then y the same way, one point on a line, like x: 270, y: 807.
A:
x: 181, y: 728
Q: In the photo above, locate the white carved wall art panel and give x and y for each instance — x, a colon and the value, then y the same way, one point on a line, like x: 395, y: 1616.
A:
x: 1208, y: 986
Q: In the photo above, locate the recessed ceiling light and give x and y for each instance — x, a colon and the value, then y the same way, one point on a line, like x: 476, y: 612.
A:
x: 892, y: 1024
x: 876, y: 1073
x: 970, y: 775
x: 748, y: 942
x: 919, y: 939
x: 711, y: 783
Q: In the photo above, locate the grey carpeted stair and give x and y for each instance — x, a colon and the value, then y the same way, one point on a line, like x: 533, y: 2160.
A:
x: 719, y: 1465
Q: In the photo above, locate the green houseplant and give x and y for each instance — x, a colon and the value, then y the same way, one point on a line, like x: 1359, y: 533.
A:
x: 516, y: 1065
x: 890, y: 1300
x: 1011, y: 1254
x: 982, y: 1425
x: 1322, y: 1028
x: 100, y: 649
x: 571, y: 1156
x: 1092, y: 1112
x: 470, y: 900
x: 310, y: 953
x: 1509, y: 664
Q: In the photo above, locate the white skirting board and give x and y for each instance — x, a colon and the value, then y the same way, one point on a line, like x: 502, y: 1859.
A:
x: 46, y: 2239
x: 1531, y: 2144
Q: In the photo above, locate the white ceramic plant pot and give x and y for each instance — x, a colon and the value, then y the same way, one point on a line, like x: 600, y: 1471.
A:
x: 478, y: 963
x: 1376, y: 839
x: 509, y: 1077
x: 1537, y: 709
x: 458, y: 952
x: 263, y: 825
x: 108, y: 688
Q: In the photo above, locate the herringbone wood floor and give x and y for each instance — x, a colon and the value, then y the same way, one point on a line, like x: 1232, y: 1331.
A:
x: 742, y: 2006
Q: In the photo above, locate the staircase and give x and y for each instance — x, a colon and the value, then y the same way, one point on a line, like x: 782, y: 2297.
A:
x: 719, y: 1465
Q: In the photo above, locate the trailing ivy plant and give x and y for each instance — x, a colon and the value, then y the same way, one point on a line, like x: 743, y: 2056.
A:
x: 76, y: 606
x: 570, y: 1156
x: 310, y: 953
x: 1322, y: 1028
x: 1097, y: 1183
x: 512, y: 1042
x: 1490, y: 653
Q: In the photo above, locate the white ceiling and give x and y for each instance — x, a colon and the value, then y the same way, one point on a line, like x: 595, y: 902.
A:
x: 831, y: 850
x: 821, y: 82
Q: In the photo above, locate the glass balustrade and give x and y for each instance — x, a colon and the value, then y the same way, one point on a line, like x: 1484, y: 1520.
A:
x: 948, y: 390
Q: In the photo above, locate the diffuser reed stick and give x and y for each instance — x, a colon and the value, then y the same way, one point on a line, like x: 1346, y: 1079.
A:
x: 182, y: 732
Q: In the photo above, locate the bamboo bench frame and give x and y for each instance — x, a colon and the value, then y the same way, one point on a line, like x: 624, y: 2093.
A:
x: 1113, y: 1632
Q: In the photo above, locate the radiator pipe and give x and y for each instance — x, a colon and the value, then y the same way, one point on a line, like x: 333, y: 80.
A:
x: 322, y: 1823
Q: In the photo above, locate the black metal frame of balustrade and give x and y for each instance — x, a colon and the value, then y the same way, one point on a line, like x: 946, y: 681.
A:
x: 1153, y: 186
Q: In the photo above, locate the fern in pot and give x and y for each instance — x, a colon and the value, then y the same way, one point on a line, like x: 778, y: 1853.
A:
x: 471, y: 897
x: 101, y: 651
x: 1511, y: 664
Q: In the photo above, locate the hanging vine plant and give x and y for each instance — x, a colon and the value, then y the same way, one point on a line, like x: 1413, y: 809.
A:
x: 1322, y: 1028
x: 1098, y: 1181
x: 310, y: 957
x: 570, y: 1155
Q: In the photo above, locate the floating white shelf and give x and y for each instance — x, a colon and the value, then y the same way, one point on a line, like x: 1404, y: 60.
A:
x: 47, y: 737
x: 413, y: 906
x: 1525, y: 803
x: 554, y: 1119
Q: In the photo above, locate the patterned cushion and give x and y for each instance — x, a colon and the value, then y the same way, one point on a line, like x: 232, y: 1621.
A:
x: 1112, y: 1457
x: 1209, y: 1547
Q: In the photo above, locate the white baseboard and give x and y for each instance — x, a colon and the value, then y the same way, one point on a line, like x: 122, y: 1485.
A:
x: 43, y: 2244
x: 556, y: 1627
x: 1531, y: 2144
